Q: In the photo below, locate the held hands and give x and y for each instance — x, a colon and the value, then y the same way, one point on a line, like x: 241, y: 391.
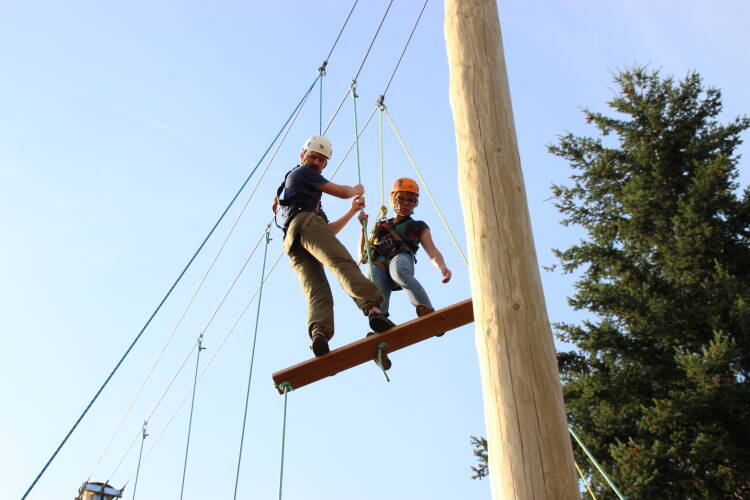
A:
x: 358, y: 203
x: 446, y: 274
x: 362, y: 217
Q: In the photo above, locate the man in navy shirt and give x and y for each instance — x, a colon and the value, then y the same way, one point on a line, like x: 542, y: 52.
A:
x: 311, y: 244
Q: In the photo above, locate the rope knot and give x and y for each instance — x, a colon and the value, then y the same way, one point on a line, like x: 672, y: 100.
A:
x: 380, y: 103
x: 285, y: 387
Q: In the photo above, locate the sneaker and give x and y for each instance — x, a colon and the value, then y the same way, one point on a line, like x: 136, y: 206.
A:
x: 319, y: 345
x: 423, y: 310
x: 379, y: 322
x: 383, y: 357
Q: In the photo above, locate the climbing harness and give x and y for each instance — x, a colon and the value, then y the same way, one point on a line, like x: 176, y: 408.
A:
x: 295, y: 209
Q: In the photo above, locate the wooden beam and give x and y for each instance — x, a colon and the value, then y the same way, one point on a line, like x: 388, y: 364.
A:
x: 530, y: 454
x: 366, y: 349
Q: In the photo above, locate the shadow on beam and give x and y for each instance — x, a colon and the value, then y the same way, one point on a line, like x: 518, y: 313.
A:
x: 366, y: 349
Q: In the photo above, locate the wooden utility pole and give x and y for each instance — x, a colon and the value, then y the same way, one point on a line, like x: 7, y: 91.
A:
x: 530, y: 455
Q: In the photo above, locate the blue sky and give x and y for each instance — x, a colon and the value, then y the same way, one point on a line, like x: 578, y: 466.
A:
x: 126, y: 128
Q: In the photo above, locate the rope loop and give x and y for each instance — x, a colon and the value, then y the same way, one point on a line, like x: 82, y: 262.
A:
x: 381, y: 347
x: 285, y: 387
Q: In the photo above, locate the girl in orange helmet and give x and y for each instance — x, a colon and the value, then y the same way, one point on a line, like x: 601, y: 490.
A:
x: 393, y: 246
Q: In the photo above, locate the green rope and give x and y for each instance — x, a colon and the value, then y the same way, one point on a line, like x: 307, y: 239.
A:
x: 383, y: 210
x: 583, y: 478
x: 192, y: 407
x: 359, y: 176
x: 381, y: 347
x: 286, y: 387
x: 252, y: 360
x: 427, y: 188
x: 140, y: 455
x: 596, y: 464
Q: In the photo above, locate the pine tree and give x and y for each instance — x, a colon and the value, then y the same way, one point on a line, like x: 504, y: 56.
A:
x: 657, y: 385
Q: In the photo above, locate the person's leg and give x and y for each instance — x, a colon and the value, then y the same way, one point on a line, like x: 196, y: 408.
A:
x: 315, y: 286
x: 382, y: 280
x: 322, y: 244
x: 401, y: 269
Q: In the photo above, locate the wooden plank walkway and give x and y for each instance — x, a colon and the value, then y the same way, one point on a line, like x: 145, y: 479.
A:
x: 366, y: 349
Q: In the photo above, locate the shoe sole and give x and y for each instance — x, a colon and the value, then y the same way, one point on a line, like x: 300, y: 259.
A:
x: 320, y: 346
x: 380, y: 324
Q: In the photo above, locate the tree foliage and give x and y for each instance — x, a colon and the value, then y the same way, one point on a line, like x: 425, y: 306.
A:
x: 657, y: 385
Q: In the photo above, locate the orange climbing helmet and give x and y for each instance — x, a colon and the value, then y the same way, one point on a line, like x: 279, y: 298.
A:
x: 405, y: 184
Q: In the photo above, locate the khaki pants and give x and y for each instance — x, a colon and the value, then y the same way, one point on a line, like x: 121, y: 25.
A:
x: 311, y: 245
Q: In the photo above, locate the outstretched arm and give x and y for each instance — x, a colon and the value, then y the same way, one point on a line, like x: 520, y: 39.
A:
x: 342, y: 191
x: 358, y: 203
x: 435, y: 256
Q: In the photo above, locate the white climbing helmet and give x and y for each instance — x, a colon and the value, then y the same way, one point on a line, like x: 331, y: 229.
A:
x: 319, y: 144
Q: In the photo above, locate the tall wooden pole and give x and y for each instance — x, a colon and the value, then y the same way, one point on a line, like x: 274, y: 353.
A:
x: 530, y: 455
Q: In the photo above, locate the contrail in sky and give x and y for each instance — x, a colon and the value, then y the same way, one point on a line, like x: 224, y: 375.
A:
x: 151, y: 122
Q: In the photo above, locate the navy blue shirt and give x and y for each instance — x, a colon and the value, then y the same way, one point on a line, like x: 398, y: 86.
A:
x: 302, y: 191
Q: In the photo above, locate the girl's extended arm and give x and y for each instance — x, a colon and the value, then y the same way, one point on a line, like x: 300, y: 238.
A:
x: 435, y: 256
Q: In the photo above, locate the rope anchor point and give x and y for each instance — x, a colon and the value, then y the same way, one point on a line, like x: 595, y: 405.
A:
x: 380, y: 103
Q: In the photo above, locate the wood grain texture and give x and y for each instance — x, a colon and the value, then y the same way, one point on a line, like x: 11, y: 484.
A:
x: 530, y: 455
x: 362, y: 351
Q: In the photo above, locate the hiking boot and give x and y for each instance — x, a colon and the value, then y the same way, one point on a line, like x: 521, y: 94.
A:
x: 319, y: 345
x: 383, y: 357
x: 423, y: 310
x: 379, y: 322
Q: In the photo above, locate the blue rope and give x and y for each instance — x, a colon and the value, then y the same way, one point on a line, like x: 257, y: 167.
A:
x: 163, y: 300
x: 192, y: 407
x: 322, y: 73
x: 252, y: 360
x: 140, y: 455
